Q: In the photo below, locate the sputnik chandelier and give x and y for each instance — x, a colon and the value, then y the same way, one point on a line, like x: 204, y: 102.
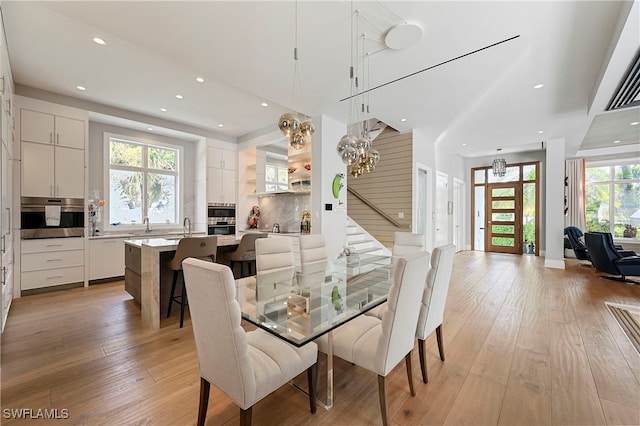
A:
x: 297, y: 129
x: 356, y: 148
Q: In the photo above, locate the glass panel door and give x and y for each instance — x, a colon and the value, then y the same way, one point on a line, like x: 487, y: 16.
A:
x: 504, y: 218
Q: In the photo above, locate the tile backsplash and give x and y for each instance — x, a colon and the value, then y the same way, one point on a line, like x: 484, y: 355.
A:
x: 285, y: 209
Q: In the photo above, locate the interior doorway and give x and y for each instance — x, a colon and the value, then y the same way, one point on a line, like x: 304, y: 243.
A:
x: 458, y: 213
x: 442, y: 209
x: 423, y: 223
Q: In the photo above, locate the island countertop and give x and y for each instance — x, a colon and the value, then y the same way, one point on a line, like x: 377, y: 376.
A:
x: 166, y: 244
x: 146, y: 274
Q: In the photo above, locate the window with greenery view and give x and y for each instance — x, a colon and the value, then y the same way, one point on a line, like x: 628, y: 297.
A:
x: 613, y: 199
x: 142, y: 182
x: 276, y: 178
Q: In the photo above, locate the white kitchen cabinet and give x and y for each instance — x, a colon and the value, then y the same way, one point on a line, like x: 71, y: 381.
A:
x: 221, y: 174
x: 6, y: 231
x: 69, y: 172
x: 106, y: 258
x: 37, y: 170
x: 221, y: 158
x: 221, y: 185
x: 6, y: 181
x: 41, y: 127
x: 52, y: 171
x: 51, y: 261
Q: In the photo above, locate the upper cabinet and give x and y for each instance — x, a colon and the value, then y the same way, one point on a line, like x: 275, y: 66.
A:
x: 52, y: 141
x: 221, y: 173
x: 52, y: 129
x: 221, y: 158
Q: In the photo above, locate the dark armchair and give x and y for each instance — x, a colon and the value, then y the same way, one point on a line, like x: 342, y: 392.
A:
x: 575, y: 234
x: 606, y: 258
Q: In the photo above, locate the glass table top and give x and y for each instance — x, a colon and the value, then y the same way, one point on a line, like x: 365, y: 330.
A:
x: 310, y: 304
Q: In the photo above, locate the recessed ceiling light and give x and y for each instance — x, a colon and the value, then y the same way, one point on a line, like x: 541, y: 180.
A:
x: 220, y: 125
x: 616, y: 141
x: 150, y: 129
x: 540, y: 132
x: 403, y: 120
x: 635, y: 123
x: 81, y: 88
x: 464, y: 144
x: 179, y: 97
x: 164, y: 109
x: 538, y: 86
x: 200, y: 79
x: 98, y: 40
x: 264, y: 104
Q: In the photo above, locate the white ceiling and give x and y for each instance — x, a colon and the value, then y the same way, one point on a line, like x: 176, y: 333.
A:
x: 156, y: 49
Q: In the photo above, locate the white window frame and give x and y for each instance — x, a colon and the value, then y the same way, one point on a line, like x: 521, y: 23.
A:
x: 276, y: 183
x: 612, y: 165
x: 146, y: 143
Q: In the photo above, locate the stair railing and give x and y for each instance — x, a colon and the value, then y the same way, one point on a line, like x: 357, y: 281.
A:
x: 374, y: 207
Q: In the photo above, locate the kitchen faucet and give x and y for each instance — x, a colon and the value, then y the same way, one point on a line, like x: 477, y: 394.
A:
x: 146, y: 220
x: 184, y: 224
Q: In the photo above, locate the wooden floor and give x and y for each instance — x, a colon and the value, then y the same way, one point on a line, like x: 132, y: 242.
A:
x: 524, y: 345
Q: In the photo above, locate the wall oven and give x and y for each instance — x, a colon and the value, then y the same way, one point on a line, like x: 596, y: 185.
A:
x: 221, y: 219
x: 42, y: 217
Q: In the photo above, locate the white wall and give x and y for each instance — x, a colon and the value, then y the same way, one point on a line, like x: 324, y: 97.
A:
x: 427, y: 153
x: 554, y: 250
x: 326, y: 164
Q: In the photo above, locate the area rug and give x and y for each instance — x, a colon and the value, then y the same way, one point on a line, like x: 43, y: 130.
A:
x: 628, y: 318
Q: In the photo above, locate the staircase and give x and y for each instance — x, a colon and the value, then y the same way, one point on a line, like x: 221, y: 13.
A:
x: 362, y: 241
x: 371, y: 253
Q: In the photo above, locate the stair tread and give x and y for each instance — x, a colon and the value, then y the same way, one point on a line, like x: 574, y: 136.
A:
x: 352, y: 243
x: 368, y: 250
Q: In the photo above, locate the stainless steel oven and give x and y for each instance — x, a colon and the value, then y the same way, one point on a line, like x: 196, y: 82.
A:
x: 221, y: 219
x: 42, y: 217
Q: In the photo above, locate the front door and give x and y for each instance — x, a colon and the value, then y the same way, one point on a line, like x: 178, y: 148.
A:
x: 504, y: 218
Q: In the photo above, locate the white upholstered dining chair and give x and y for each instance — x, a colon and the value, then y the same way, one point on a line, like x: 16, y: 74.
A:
x: 245, y: 366
x: 378, y: 345
x: 406, y: 243
x: 313, y: 260
x: 434, y: 299
x: 275, y: 268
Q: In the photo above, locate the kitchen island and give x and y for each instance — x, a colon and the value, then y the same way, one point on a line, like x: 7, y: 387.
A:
x: 148, y: 277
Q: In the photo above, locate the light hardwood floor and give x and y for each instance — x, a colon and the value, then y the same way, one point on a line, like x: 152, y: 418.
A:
x: 523, y: 344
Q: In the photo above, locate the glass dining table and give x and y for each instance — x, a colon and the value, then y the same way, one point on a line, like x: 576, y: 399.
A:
x: 304, y: 308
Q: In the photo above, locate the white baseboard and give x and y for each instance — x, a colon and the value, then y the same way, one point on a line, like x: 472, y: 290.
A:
x: 553, y: 263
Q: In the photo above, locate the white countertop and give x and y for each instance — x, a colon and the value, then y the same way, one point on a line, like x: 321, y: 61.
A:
x: 143, y: 235
x: 165, y: 244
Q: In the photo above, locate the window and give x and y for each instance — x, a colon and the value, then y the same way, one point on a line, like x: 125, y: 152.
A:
x: 613, y: 198
x: 276, y: 178
x: 141, y: 181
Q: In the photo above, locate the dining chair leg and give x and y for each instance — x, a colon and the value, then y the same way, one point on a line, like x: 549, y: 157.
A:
x: 423, y: 361
x: 245, y: 417
x: 173, y: 292
x: 407, y: 360
x: 382, y: 394
x: 204, y: 401
x: 440, y: 342
x: 312, y: 379
x: 183, y: 302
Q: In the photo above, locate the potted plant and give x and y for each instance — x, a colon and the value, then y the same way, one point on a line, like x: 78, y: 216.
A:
x: 630, y: 231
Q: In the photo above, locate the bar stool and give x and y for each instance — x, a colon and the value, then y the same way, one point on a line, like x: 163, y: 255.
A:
x: 204, y: 248
x: 245, y: 254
